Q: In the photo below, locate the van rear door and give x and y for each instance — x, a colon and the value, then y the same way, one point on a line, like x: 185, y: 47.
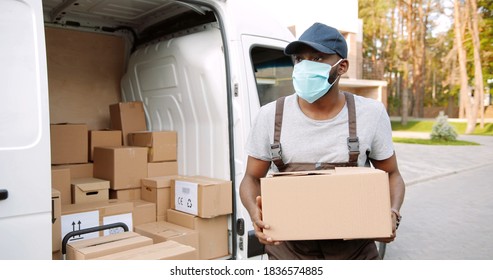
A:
x: 25, y: 183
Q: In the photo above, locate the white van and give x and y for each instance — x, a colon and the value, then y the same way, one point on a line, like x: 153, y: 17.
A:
x: 201, y: 67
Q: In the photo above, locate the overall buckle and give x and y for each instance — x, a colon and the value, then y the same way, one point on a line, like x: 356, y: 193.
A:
x: 275, y: 151
x: 353, y: 144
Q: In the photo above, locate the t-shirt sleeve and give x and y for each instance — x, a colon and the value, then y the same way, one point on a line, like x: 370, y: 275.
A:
x: 382, y: 146
x: 258, y: 142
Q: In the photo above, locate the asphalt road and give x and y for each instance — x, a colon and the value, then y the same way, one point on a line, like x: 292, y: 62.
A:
x: 448, y: 208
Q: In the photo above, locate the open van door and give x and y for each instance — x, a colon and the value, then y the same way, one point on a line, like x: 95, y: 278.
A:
x: 25, y: 183
x: 268, y: 77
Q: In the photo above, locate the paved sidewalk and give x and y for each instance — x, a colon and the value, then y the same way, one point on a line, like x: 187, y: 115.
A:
x: 419, y: 163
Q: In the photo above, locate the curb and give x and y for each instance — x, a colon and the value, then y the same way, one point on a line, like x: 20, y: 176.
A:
x: 429, y: 178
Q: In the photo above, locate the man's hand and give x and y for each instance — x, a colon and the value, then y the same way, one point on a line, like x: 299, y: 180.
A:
x: 259, y: 225
x: 394, y: 231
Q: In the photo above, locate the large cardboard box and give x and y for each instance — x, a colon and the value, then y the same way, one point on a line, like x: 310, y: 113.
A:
x: 105, y: 245
x: 79, y: 170
x: 56, y: 226
x: 157, y: 190
x: 164, y: 168
x: 103, y: 138
x: 144, y: 212
x: 164, y: 231
x: 169, y: 250
x: 68, y: 143
x: 127, y: 117
x: 201, y: 196
x: 345, y: 203
x: 86, y: 190
x: 124, y: 167
x: 87, y: 215
x: 213, y: 232
x: 60, y: 180
x: 161, y: 144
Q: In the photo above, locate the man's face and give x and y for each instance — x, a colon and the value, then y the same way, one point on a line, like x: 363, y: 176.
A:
x: 309, y: 53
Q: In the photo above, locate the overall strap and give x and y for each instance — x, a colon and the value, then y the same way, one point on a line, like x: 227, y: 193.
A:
x: 275, y: 148
x: 352, y: 140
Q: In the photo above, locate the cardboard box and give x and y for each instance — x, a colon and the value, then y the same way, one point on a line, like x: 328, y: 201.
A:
x: 87, y: 215
x: 168, y: 250
x: 144, y: 212
x: 105, y: 245
x: 164, y: 168
x: 345, y: 203
x: 69, y: 143
x: 161, y: 144
x: 124, y: 167
x: 80, y: 170
x: 213, y: 232
x: 56, y: 226
x: 86, y: 190
x: 127, y: 117
x: 60, y: 180
x: 164, y: 231
x: 125, y: 195
x: 157, y: 190
x: 103, y: 138
x: 201, y: 196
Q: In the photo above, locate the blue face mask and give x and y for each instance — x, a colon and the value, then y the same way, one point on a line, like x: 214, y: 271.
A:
x: 310, y: 79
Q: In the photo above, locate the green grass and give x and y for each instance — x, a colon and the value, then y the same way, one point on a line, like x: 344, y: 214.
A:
x: 426, y: 126
x: 433, y: 142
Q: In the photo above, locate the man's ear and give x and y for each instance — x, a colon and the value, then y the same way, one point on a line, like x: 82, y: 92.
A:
x: 343, y: 67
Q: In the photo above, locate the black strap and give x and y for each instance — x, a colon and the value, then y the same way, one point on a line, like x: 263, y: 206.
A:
x: 352, y: 140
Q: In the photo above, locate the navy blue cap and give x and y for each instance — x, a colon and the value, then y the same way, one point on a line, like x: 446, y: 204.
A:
x: 321, y: 37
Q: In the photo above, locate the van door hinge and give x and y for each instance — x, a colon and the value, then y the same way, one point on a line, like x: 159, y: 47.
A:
x: 236, y: 90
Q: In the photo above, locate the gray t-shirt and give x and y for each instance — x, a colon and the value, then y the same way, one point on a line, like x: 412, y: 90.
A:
x: 313, y: 141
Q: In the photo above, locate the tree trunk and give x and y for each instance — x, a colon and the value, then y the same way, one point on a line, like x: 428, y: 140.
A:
x: 464, y: 96
x: 478, y: 73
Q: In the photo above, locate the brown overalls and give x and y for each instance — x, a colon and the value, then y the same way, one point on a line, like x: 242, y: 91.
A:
x: 320, y: 249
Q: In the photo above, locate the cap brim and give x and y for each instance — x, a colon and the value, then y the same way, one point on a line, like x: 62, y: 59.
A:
x: 293, y: 47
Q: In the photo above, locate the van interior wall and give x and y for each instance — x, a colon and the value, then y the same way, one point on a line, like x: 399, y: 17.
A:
x: 84, y: 73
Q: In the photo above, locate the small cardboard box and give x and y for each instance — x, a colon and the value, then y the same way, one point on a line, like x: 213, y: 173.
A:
x: 125, y: 195
x: 86, y: 190
x: 103, y: 138
x: 161, y: 144
x: 60, y: 180
x: 201, y: 196
x: 164, y: 168
x: 169, y: 250
x: 56, y: 226
x: 213, y: 232
x: 157, y: 190
x: 144, y: 212
x: 69, y: 143
x: 79, y: 170
x: 345, y: 203
x: 87, y: 215
x: 105, y: 245
x: 164, y: 231
x: 124, y: 167
x: 127, y: 117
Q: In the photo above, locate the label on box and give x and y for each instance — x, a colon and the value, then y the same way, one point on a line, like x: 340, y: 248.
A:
x: 186, y: 197
x: 120, y: 218
x: 78, y: 221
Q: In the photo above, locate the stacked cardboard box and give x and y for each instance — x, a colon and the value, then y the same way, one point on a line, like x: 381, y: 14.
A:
x: 130, y: 175
x: 203, y: 204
